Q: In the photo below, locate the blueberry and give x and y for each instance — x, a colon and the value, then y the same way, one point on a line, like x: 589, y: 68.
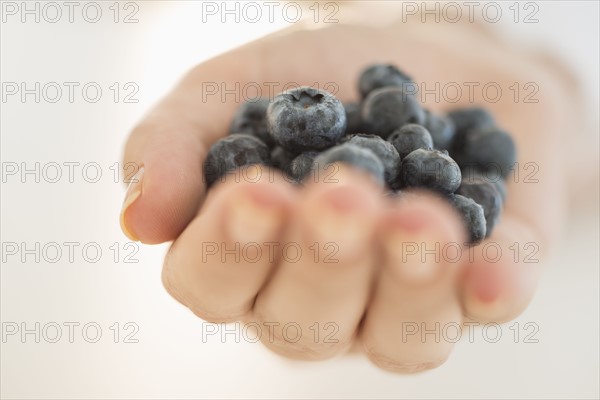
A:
x: 485, y: 148
x: 281, y: 158
x: 386, y: 153
x: 387, y: 109
x: 232, y: 152
x: 473, y: 175
x: 432, y: 169
x: 487, y: 196
x: 501, y: 188
x: 473, y: 216
x: 251, y: 118
x: 441, y: 128
x: 409, y: 138
x: 353, y: 155
x: 467, y: 118
x: 381, y: 75
x: 302, y: 165
x: 353, y: 121
x: 306, y: 119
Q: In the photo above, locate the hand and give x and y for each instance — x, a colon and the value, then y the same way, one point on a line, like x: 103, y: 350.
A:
x: 370, y: 295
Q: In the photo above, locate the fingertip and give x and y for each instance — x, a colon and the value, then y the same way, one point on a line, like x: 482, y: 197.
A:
x: 418, y: 210
x: 266, y: 186
x: 501, y: 279
x: 164, y: 197
x: 341, y: 174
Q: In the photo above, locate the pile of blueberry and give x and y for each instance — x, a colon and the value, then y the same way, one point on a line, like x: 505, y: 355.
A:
x: 463, y: 155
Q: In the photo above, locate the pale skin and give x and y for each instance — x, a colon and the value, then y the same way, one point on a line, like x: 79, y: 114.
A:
x: 372, y: 292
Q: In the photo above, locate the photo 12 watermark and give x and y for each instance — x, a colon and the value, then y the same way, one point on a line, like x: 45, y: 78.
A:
x: 471, y: 331
x: 69, y: 252
x: 51, y: 172
x: 69, y: 332
x: 53, y: 12
x: 492, y: 12
x: 270, y: 332
x: 253, y: 12
x: 69, y: 92
x: 251, y: 91
x: 269, y: 252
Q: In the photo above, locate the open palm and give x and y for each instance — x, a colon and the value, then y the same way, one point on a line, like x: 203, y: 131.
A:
x: 325, y: 265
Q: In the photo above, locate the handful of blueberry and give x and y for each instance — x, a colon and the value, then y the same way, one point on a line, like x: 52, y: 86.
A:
x: 463, y: 155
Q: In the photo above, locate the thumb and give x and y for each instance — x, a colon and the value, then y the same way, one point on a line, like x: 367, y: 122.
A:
x: 168, y: 187
x: 170, y: 147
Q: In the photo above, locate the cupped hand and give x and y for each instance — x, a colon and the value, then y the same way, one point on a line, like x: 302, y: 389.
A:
x: 335, y: 262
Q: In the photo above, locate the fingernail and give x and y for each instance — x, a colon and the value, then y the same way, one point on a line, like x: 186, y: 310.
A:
x: 133, y: 192
x: 486, y: 285
x: 483, y: 299
x: 415, y: 258
x: 341, y: 216
x: 254, y: 217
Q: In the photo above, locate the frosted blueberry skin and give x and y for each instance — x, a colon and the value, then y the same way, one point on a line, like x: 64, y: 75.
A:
x: 486, y: 149
x: 231, y: 152
x: 381, y: 75
x: 441, y: 128
x: 501, y: 188
x: 281, y: 158
x: 474, y: 175
x: 409, y: 138
x: 354, y: 156
x: 430, y: 169
x: 465, y: 119
x: 387, y: 109
x: 302, y: 165
x: 385, y: 151
x: 472, y: 215
x: 251, y: 118
x: 487, y: 196
x: 305, y: 119
x: 353, y: 119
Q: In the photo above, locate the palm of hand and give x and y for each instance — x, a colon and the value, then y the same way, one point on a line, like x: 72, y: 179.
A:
x: 353, y: 280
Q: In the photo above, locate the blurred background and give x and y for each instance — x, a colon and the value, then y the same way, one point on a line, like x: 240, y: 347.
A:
x: 83, y: 310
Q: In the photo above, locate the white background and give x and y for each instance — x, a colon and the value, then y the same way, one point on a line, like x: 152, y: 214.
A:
x: 170, y: 358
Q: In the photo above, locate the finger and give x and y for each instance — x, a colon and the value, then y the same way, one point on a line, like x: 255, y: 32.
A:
x: 502, y: 277
x: 166, y: 191
x: 221, y: 260
x: 504, y: 270
x: 415, y: 301
x: 171, y: 144
x: 314, y: 301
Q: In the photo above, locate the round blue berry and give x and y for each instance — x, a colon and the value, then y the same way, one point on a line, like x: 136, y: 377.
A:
x: 381, y: 75
x: 485, y: 148
x: 431, y: 169
x: 465, y: 119
x: 251, y: 118
x: 353, y: 120
x: 281, y: 158
x: 409, y: 138
x: 473, y: 216
x: 387, y: 109
x: 355, y: 156
x: 233, y: 151
x: 441, y: 128
x: 385, y: 151
x: 487, y: 196
x: 302, y: 165
x: 306, y: 119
